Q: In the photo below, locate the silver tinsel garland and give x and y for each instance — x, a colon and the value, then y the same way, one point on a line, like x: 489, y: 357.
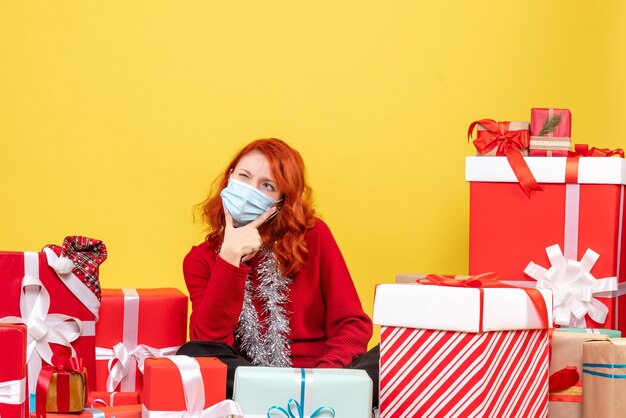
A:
x: 265, y: 342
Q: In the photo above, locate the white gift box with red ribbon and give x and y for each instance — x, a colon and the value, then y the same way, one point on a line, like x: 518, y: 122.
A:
x: 459, y: 351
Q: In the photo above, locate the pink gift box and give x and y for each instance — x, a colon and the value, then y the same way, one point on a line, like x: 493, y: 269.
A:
x: 547, y: 137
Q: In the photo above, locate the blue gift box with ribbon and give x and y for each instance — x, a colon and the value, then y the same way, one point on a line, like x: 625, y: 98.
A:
x: 278, y: 392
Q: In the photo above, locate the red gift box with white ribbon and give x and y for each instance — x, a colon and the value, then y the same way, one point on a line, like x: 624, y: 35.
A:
x: 566, y: 237
x: 58, y: 308
x: 13, y: 371
x: 179, y: 386
x: 459, y: 351
x: 136, y: 324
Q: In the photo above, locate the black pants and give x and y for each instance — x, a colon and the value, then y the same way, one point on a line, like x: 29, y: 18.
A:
x: 232, y: 359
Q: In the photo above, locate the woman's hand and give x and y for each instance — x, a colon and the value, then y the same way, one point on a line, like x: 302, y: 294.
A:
x: 241, y: 244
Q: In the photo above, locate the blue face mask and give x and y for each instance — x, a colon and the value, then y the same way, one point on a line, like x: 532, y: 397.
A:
x: 244, y: 202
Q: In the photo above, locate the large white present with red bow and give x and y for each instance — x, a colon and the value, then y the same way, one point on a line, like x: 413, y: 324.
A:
x: 55, y: 297
x: 566, y: 237
x: 462, y: 349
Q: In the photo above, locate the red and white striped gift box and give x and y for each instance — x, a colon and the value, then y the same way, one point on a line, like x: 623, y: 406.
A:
x: 461, y: 352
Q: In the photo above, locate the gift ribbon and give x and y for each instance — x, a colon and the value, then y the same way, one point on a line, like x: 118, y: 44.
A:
x: 583, y: 150
x: 43, y: 328
x: 508, y: 143
x: 13, y: 392
x: 94, y: 402
x: 489, y: 280
x: 127, y: 356
x: 111, y: 401
x: 95, y: 413
x: 193, y: 389
x: 300, y: 406
x: 63, y: 366
x: 614, y: 375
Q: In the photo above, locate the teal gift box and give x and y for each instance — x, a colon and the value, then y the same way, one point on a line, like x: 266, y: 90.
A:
x: 303, y: 393
x: 611, y: 333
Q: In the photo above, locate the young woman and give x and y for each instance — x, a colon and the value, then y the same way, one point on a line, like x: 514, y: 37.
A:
x: 269, y: 286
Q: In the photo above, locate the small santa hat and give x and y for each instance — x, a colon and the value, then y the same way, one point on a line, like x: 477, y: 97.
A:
x: 81, y: 256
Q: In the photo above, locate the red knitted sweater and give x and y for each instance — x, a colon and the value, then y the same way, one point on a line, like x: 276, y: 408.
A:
x: 328, y: 325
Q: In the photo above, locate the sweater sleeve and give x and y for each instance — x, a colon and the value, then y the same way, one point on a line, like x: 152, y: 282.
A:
x: 216, y: 290
x: 348, y: 328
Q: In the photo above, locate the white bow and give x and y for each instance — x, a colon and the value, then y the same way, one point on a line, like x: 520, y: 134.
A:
x: 122, y: 361
x: 13, y: 392
x: 193, y: 388
x: 573, y: 287
x: 43, y: 328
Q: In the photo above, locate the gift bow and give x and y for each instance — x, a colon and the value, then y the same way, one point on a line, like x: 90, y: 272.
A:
x: 573, y: 287
x: 489, y: 280
x: 193, y: 389
x: 13, y: 392
x: 299, y: 406
x: 43, y: 328
x: 508, y: 143
x: 121, y: 360
x: 583, y: 150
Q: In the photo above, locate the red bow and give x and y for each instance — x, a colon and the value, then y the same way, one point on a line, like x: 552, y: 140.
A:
x: 583, y: 150
x: 488, y: 280
x: 508, y: 143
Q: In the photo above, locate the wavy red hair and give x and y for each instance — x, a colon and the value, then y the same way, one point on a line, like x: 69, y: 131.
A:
x: 284, y: 233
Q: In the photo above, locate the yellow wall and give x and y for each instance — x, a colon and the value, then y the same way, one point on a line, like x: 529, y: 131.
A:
x: 115, y: 116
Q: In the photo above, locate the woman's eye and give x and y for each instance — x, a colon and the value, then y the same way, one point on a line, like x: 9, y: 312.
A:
x: 244, y: 175
x: 268, y: 186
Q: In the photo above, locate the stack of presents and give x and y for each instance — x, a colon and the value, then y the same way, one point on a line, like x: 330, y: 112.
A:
x: 533, y: 330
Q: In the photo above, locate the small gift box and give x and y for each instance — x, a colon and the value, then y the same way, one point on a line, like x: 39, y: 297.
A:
x: 136, y: 324
x: 122, y: 411
x: 462, y: 348
x: 550, y: 132
x: 99, y: 399
x: 280, y: 391
x: 13, y: 371
x: 186, y: 386
x: 62, y: 387
x: 496, y: 138
x: 566, y: 389
x: 604, y: 378
x: 594, y: 332
x: 508, y: 139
